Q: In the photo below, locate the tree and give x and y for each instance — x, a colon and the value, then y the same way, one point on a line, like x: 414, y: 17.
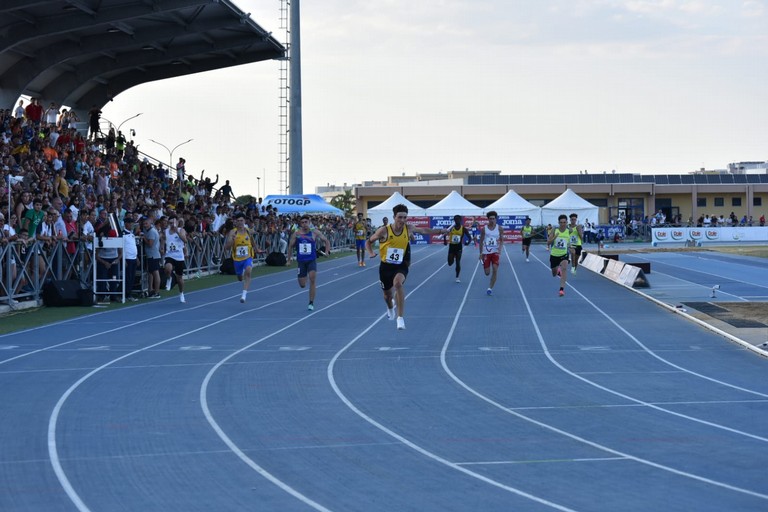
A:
x: 244, y: 200
x: 345, y: 201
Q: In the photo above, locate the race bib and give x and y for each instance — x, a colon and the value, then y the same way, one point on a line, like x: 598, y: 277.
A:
x: 395, y: 256
x: 172, y: 248
x: 490, y: 243
x: 560, y: 243
x: 360, y: 232
x: 305, y: 248
x: 455, y: 239
x: 574, y: 239
x: 242, y: 251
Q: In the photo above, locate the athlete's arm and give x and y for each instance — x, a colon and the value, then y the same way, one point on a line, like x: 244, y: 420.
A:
x: 291, y: 243
x: 501, y: 237
x: 378, y: 235
x: 325, y: 241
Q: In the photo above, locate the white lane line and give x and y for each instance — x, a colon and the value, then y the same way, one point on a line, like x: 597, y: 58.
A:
x: 556, y: 429
x: 410, y: 444
x: 542, y: 461
x: 53, y: 452
x: 229, y: 442
x: 149, y: 304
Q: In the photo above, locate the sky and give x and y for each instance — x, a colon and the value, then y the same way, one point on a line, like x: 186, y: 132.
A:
x: 521, y: 86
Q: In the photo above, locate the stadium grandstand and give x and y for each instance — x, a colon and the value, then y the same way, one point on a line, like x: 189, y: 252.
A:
x: 68, y: 179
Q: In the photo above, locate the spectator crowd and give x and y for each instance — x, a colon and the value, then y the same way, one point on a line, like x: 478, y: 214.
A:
x: 62, y: 185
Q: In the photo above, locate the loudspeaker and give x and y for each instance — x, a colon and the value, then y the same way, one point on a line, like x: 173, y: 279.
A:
x: 61, y: 293
x: 275, y: 259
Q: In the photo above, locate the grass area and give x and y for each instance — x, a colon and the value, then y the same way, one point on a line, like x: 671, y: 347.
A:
x: 35, y: 317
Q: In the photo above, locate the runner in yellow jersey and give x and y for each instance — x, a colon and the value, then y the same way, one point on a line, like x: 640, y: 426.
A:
x: 577, y: 235
x: 457, y: 235
x: 395, y: 256
x: 240, y: 241
x: 361, y: 233
x: 527, y: 232
x: 559, y: 239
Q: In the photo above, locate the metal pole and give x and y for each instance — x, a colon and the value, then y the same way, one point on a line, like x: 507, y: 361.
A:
x: 295, y: 158
x: 132, y: 117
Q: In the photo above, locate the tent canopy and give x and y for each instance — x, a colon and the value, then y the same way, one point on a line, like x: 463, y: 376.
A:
x: 453, y: 204
x: 512, y: 204
x: 308, y: 203
x: 378, y: 212
x: 567, y: 203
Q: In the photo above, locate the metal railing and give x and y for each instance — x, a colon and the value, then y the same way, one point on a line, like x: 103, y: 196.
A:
x: 25, y: 267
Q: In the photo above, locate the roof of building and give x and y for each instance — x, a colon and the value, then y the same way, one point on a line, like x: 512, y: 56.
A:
x: 85, y: 52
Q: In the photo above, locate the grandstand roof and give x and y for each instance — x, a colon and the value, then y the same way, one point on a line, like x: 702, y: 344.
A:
x: 85, y: 52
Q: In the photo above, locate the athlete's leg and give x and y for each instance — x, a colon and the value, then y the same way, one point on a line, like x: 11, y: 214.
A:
x: 312, y: 274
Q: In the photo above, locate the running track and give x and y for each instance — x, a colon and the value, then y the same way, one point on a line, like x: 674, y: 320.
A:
x: 598, y: 401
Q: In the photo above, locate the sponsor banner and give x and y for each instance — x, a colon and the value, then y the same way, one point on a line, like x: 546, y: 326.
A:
x: 723, y: 235
x: 419, y: 222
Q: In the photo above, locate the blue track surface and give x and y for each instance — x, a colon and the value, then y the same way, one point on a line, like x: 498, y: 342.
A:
x: 598, y: 401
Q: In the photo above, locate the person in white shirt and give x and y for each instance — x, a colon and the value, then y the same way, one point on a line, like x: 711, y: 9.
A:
x: 131, y: 253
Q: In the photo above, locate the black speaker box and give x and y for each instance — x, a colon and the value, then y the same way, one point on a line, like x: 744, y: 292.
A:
x: 61, y: 293
x: 275, y: 259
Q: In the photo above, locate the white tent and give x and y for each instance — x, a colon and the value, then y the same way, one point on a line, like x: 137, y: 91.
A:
x: 567, y: 203
x: 378, y: 212
x: 453, y: 204
x: 512, y: 204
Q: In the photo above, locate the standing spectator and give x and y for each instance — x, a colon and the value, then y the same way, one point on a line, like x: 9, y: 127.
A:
x: 226, y: 192
x: 19, y: 112
x: 107, y: 267
x: 33, y: 218
x: 94, y: 116
x: 152, y: 253
x: 131, y: 254
x: 180, y: 169
x: 34, y: 113
x: 51, y: 114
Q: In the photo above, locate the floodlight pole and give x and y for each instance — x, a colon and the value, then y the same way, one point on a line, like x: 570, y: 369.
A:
x: 295, y: 158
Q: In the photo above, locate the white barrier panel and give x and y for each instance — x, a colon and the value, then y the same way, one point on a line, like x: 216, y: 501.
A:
x: 617, y: 271
x: 594, y: 263
x: 703, y: 235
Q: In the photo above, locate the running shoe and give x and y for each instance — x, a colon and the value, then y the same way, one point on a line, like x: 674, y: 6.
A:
x: 182, y: 299
x: 458, y: 280
x: 155, y: 296
x: 573, y: 270
x: 242, y: 298
x: 391, y: 314
x: 526, y: 260
x: 168, y: 284
x: 561, y: 293
x: 400, y: 323
x: 362, y: 263
x: 310, y: 307
x: 488, y: 291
